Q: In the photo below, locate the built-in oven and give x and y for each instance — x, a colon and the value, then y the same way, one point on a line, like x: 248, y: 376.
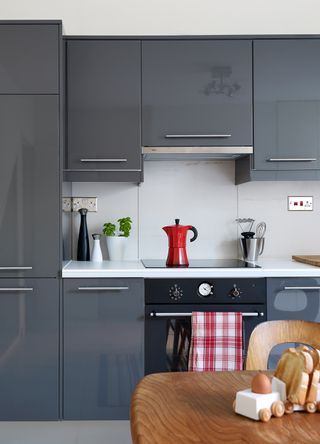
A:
x: 169, y: 306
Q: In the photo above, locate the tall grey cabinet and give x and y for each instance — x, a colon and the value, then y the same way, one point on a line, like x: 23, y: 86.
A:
x: 103, y: 346
x: 29, y: 219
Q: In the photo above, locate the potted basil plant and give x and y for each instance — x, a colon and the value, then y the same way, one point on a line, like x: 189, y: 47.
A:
x: 117, y: 238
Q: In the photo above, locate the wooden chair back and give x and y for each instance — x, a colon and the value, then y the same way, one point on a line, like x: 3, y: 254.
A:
x: 271, y: 333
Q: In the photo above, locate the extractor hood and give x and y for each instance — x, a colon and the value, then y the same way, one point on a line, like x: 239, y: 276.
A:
x: 195, y: 152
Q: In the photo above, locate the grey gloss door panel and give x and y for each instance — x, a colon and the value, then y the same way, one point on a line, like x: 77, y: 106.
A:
x: 287, y: 104
x: 29, y: 59
x: 29, y: 338
x: 286, y: 301
x: 29, y: 192
x: 104, y: 95
x: 103, y: 346
x: 196, y: 87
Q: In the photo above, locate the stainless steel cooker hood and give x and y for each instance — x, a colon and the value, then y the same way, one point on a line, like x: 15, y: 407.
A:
x: 195, y: 152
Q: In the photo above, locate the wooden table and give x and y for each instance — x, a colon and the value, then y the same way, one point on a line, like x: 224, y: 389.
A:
x: 176, y: 408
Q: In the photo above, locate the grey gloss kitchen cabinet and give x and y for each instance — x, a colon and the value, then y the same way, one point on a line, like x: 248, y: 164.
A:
x: 29, y: 192
x: 29, y: 54
x: 103, y: 346
x: 292, y: 298
x: 197, y: 92
x: 29, y: 340
x: 103, y: 110
x: 286, y: 104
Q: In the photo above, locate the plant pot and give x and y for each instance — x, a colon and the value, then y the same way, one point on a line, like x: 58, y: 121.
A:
x: 116, y: 247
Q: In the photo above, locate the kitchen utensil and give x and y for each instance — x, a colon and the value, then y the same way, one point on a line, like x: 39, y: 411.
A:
x: 83, y: 240
x: 260, y: 229
x: 248, y: 234
x: 177, y: 237
x: 246, y: 220
x: 251, y: 248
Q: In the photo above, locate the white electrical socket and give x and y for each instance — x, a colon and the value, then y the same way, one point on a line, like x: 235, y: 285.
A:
x: 90, y: 203
x: 300, y: 203
x: 67, y: 204
x: 75, y: 203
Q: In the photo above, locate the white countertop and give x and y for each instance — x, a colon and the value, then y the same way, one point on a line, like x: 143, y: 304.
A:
x: 135, y: 269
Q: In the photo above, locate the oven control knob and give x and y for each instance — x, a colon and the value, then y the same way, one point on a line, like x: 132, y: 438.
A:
x: 205, y: 289
x: 175, y: 293
x: 235, y: 292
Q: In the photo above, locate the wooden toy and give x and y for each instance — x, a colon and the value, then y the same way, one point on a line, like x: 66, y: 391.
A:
x: 294, y: 387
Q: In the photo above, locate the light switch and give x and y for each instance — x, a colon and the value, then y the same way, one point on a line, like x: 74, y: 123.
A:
x: 300, y: 203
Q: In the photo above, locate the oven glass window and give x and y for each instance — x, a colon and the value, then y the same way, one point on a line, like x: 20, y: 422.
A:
x: 178, y: 344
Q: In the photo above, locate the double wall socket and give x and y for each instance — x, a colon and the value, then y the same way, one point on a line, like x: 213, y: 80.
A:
x: 300, y: 203
x: 75, y: 203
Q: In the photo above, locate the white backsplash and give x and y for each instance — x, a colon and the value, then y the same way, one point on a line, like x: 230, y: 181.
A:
x: 202, y: 194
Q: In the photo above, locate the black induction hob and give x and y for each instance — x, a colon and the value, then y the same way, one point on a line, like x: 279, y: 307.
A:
x: 202, y: 263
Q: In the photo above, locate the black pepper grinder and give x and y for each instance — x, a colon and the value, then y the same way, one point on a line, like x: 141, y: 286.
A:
x: 83, y: 240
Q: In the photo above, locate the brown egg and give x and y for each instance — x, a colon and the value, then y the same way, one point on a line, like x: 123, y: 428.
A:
x: 261, y: 384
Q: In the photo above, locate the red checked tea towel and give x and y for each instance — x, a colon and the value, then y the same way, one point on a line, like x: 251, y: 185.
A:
x: 216, y: 342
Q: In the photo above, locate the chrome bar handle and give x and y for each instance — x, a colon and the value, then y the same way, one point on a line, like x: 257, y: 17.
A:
x: 102, y: 288
x: 16, y: 289
x: 103, y: 160
x: 197, y: 136
x: 302, y: 288
x: 15, y: 268
x: 292, y: 159
x: 154, y: 314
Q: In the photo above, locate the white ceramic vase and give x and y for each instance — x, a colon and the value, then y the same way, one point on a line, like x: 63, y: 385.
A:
x: 116, y: 247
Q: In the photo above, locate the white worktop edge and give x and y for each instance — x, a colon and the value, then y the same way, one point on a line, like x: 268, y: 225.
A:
x: 135, y: 269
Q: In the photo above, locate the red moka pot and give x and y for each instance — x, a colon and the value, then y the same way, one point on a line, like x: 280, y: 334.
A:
x: 177, y: 236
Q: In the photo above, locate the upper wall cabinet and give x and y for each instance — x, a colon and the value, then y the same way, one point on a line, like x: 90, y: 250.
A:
x: 287, y: 104
x: 29, y: 57
x: 103, y: 110
x: 197, y: 93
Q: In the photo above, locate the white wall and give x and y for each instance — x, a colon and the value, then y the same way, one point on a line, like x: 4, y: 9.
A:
x: 138, y: 17
x: 203, y: 194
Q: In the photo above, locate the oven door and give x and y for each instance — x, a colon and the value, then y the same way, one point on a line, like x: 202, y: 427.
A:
x: 168, y: 333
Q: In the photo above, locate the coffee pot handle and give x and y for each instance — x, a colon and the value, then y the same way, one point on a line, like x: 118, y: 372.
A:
x: 195, y: 233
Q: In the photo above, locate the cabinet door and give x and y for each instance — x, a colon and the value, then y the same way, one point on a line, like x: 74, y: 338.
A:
x: 29, y: 58
x: 192, y: 89
x: 292, y: 298
x: 103, y: 346
x: 286, y: 104
x: 29, y: 191
x: 103, y: 81
x: 29, y: 339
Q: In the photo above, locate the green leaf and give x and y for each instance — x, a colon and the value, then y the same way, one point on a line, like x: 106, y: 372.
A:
x: 109, y: 229
x: 125, y: 224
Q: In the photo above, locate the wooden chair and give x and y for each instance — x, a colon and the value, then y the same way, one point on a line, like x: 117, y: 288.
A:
x: 268, y: 334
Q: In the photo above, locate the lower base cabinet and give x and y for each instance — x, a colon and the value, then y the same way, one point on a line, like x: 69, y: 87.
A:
x: 29, y: 349
x: 292, y: 299
x: 103, y: 346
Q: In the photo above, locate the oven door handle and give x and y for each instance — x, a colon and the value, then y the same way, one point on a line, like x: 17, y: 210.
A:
x: 155, y: 314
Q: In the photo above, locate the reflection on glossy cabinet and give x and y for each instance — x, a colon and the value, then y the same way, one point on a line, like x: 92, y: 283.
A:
x: 29, y: 343
x: 103, y: 108
x: 29, y: 192
x: 287, y: 104
x: 29, y: 55
x: 103, y: 346
x: 196, y: 88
